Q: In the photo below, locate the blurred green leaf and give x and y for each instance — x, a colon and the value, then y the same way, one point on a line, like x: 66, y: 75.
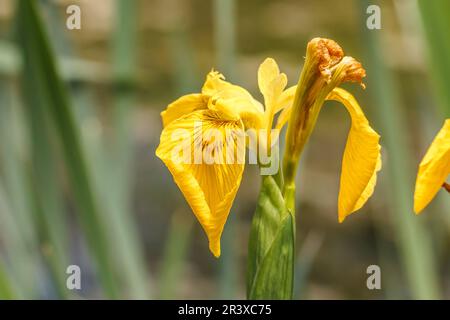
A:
x: 6, y: 288
x: 175, y: 250
x: 413, y: 240
x: 9, y: 60
x: 304, y: 262
x: 17, y: 228
x: 42, y: 75
x: 225, y: 36
x: 47, y: 206
x: 129, y: 256
x: 436, y: 22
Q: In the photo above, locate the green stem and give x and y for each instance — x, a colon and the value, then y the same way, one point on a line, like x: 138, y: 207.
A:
x: 289, y: 198
x: 289, y: 171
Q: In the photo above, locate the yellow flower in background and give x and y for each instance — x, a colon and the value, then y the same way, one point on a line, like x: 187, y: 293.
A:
x: 433, y: 170
x: 210, y: 188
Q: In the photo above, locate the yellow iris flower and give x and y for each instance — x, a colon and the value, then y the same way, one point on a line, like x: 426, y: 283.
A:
x: 210, y: 189
x: 433, y: 169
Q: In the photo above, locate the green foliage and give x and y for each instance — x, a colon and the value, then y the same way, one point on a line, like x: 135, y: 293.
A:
x: 412, y: 238
x: 6, y: 289
x: 436, y: 22
x: 53, y: 102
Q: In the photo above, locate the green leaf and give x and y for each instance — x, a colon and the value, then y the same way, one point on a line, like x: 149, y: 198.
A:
x: 175, y: 252
x: 436, y: 22
x: 413, y: 239
x: 42, y: 80
x: 6, y: 288
x: 270, y: 270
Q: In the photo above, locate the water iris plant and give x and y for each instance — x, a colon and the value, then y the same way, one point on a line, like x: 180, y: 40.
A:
x: 204, y: 142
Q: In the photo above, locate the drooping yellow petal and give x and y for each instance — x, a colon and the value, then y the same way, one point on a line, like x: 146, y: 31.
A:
x: 271, y: 84
x: 361, y: 160
x: 434, y: 169
x: 205, y: 155
x: 184, y: 105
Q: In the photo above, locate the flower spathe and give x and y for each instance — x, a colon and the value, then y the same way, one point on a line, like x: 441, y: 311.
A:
x: 325, y: 69
x: 433, y: 169
x: 210, y: 189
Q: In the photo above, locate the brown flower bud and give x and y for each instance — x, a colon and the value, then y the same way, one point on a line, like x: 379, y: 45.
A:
x: 326, y: 53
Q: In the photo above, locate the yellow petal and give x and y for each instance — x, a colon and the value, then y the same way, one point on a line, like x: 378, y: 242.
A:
x: 286, y: 99
x: 225, y: 107
x: 285, y: 104
x: 268, y: 72
x: 215, y: 85
x: 361, y: 160
x: 271, y: 84
x: 182, y: 106
x: 434, y: 169
x: 208, y: 186
x: 237, y: 107
x: 232, y: 101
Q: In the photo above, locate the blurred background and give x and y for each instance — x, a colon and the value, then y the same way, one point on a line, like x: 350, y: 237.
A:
x: 79, y: 124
